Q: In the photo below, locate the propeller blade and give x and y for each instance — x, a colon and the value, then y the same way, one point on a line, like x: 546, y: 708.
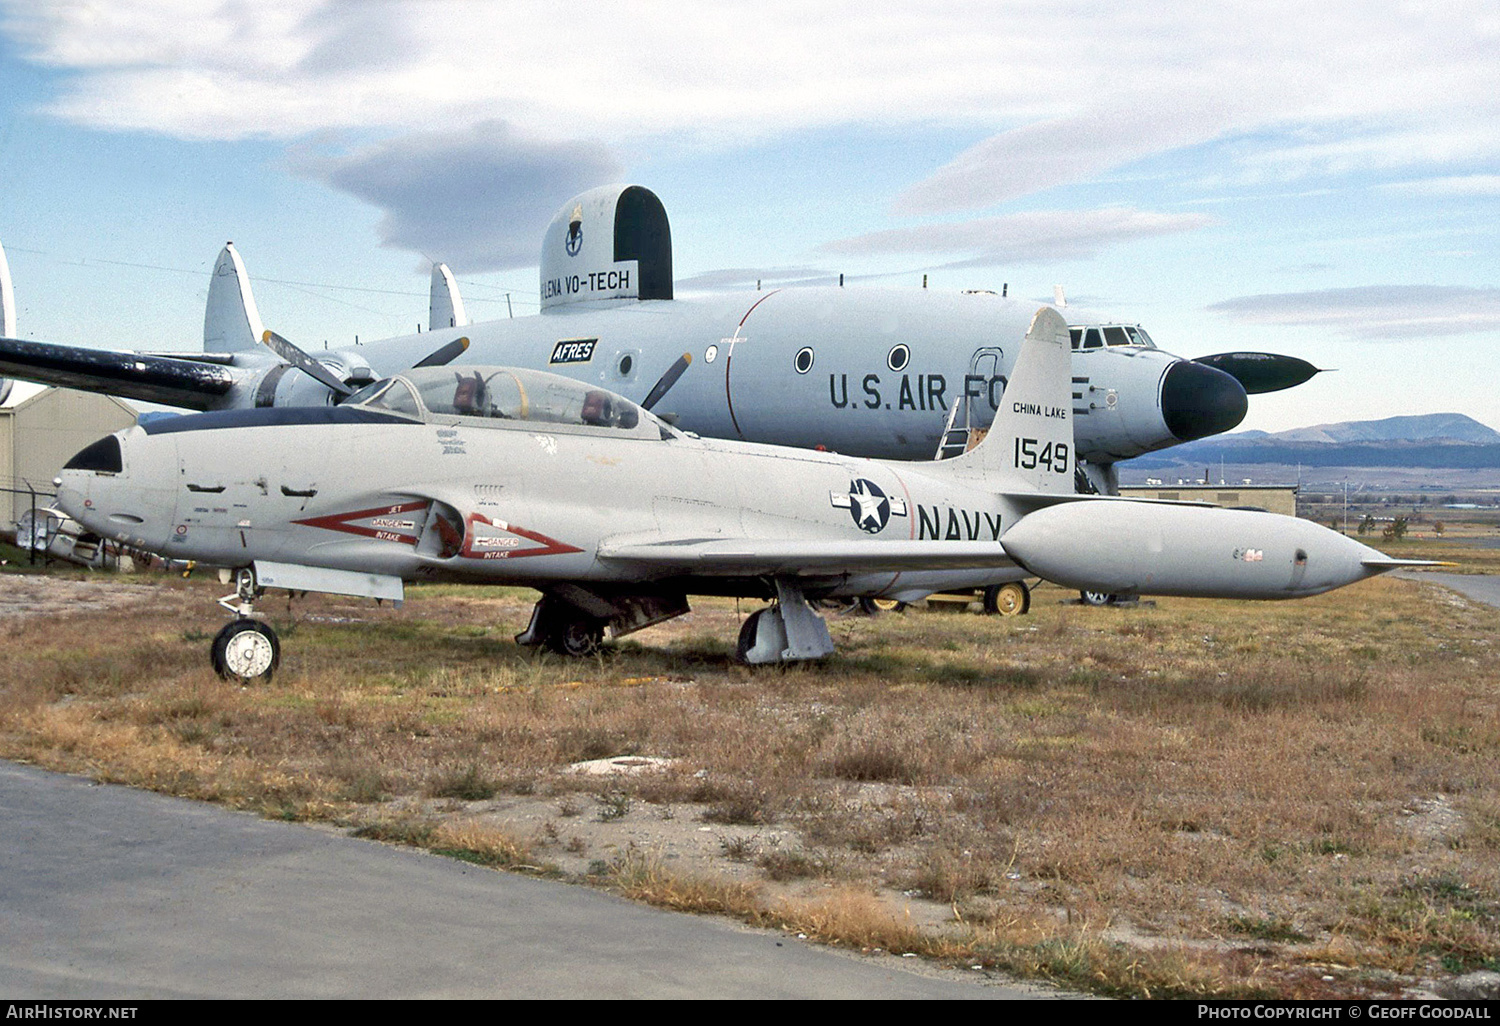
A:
x: 306, y: 364
x: 1258, y: 373
x: 667, y: 381
x: 447, y: 354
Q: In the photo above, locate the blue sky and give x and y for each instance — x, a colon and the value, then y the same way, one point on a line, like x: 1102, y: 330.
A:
x: 1320, y: 180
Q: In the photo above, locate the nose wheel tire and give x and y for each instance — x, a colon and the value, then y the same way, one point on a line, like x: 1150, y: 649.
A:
x: 246, y: 651
x: 1010, y: 599
x: 1097, y: 598
x: 876, y: 606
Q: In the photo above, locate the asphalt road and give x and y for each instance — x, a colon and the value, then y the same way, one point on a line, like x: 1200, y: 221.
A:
x: 1479, y: 587
x: 109, y: 892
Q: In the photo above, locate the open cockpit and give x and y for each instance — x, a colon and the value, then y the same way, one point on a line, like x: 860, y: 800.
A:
x: 505, y: 397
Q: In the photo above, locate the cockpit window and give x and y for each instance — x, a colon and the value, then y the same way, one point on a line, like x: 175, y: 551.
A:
x: 394, y: 395
x: 1101, y: 335
x: 502, y: 396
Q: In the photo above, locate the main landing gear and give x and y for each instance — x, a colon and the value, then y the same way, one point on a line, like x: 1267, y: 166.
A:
x: 788, y: 631
x: 247, y: 650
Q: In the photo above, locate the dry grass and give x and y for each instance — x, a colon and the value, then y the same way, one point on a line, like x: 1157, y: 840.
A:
x: 1186, y: 798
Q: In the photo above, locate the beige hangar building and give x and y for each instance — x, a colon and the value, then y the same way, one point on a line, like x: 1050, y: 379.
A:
x: 39, y: 432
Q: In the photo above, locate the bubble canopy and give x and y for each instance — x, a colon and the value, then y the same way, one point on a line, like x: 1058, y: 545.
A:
x: 505, y: 397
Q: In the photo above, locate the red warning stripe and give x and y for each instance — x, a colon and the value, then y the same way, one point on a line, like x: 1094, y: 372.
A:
x: 341, y: 522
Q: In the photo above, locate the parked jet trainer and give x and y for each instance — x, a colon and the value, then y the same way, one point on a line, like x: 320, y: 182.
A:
x: 522, y: 477
x: 887, y: 373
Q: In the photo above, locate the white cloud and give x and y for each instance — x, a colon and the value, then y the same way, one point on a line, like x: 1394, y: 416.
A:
x: 1375, y: 311
x: 1455, y: 185
x: 1031, y: 237
x: 733, y: 278
x: 1074, y: 86
x: 1058, y: 91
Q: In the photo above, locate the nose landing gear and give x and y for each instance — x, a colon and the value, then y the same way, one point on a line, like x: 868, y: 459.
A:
x: 247, y: 650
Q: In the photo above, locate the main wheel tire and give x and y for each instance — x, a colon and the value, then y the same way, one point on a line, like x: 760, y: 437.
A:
x: 246, y: 651
x: 1010, y: 599
x: 1096, y: 598
x: 748, y: 630
x: 876, y: 606
x: 578, y: 638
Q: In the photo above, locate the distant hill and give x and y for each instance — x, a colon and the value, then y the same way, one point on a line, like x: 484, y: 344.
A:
x: 1438, y: 440
x: 1428, y: 427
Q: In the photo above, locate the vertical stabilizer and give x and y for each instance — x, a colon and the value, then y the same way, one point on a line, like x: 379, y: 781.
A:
x: 1029, y: 447
x: 231, y: 322
x: 446, y: 308
x: 608, y: 244
x: 7, y: 300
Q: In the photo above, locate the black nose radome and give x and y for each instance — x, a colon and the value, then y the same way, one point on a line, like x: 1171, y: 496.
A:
x: 1198, y: 401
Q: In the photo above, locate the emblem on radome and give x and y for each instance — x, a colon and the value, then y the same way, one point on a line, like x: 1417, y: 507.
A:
x: 575, y: 231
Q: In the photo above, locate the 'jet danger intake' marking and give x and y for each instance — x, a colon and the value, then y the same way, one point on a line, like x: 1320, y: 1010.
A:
x: 943, y: 523
x: 481, y: 544
x: 384, y: 523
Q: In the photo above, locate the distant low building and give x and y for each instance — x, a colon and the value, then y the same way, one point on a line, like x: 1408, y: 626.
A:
x: 1276, y: 498
x: 41, y: 431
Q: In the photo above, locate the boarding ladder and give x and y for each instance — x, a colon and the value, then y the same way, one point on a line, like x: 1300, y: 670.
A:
x: 957, y: 438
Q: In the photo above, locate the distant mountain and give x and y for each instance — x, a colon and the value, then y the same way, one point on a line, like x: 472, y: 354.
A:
x: 1430, y: 440
x: 1428, y: 427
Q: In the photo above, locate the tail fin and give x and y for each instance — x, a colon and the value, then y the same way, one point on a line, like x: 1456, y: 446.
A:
x: 7, y: 317
x: 231, y: 322
x: 1029, y: 447
x: 446, y: 307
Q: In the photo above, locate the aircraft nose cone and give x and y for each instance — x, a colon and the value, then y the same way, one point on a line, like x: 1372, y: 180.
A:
x: 1198, y: 401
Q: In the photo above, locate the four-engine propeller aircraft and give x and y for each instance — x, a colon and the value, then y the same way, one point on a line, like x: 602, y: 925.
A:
x: 888, y: 373
x: 520, y: 477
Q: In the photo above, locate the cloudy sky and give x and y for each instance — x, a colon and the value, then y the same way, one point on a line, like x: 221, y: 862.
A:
x: 1316, y: 179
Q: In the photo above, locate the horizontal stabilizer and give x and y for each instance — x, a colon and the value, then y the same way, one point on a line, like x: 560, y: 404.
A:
x: 157, y: 379
x: 1382, y: 565
x: 805, y: 558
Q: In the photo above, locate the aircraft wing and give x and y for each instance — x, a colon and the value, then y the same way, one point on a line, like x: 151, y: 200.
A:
x: 717, y: 557
x: 191, y: 380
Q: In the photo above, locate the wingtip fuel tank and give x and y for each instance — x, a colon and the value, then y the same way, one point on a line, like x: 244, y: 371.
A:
x: 1143, y: 548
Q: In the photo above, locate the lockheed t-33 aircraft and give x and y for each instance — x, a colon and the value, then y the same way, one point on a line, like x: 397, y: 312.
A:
x: 521, y: 477
x: 880, y: 372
